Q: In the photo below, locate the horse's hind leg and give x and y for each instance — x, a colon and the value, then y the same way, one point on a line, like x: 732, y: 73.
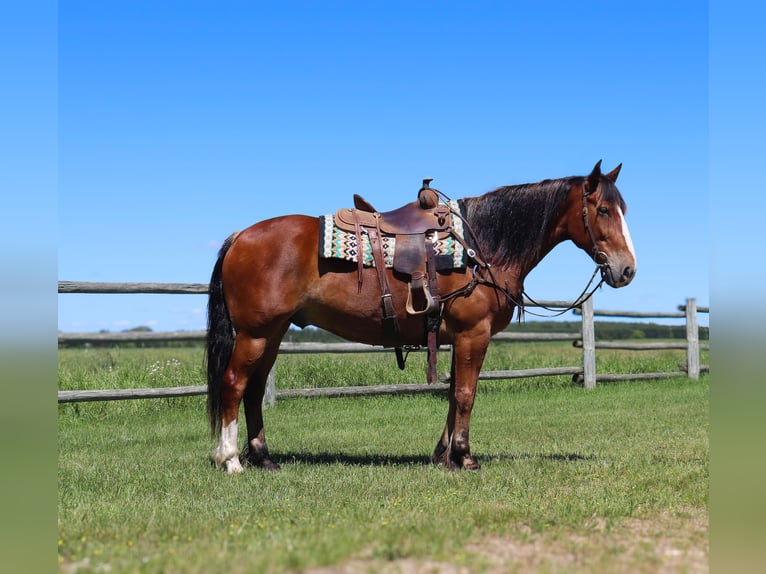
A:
x: 243, y: 364
x: 257, y: 450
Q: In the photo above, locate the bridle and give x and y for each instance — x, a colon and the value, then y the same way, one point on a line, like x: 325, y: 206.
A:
x: 599, y: 257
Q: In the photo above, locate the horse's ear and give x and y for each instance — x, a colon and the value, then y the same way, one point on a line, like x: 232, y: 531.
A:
x: 614, y: 173
x: 594, y: 178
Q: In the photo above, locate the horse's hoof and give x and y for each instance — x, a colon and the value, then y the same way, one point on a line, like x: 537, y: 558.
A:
x: 260, y: 460
x: 466, y: 462
x: 470, y: 463
x: 233, y: 466
x: 268, y: 464
x: 230, y: 465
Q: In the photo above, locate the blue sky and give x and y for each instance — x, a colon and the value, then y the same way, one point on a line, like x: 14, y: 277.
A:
x: 180, y: 122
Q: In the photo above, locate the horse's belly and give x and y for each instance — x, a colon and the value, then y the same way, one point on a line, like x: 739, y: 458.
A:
x: 338, y: 305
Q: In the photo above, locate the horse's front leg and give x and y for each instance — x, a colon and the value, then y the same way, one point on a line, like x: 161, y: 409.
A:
x: 442, y: 451
x: 453, y: 449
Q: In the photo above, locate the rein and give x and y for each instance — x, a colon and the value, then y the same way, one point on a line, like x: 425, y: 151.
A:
x: 599, y: 257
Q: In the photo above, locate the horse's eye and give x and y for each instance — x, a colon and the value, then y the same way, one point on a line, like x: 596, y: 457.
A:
x: 603, y: 211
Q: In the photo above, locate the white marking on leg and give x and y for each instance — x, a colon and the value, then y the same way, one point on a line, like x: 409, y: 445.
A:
x: 626, y: 237
x: 226, y: 454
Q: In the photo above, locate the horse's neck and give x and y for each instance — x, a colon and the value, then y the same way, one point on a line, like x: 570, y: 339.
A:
x: 521, y: 262
x: 557, y: 235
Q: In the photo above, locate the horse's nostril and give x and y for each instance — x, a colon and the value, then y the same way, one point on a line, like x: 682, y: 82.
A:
x: 628, y: 272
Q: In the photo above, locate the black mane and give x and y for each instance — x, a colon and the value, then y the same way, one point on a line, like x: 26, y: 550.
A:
x: 512, y: 222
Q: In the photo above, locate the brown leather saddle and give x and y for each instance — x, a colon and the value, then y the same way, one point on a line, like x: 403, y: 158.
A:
x: 415, y: 226
x: 420, y: 216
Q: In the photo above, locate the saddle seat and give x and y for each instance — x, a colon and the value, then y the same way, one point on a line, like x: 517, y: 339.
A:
x: 420, y: 216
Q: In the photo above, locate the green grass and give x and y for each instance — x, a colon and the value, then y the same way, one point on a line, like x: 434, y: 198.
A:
x: 563, y: 469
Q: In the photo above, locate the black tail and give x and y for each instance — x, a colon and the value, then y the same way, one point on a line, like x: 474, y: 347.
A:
x: 220, y: 340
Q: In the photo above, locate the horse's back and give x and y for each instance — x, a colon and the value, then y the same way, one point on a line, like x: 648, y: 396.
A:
x: 293, y: 237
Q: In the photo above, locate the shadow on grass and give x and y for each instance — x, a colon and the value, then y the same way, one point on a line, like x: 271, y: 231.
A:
x: 322, y: 458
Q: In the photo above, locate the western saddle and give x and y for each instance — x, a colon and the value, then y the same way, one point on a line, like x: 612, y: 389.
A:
x: 414, y: 225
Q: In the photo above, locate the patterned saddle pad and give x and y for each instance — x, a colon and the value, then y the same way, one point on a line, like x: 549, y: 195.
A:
x: 335, y: 243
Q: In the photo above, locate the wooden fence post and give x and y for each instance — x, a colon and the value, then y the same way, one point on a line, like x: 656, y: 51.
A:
x: 692, y: 340
x: 588, y: 344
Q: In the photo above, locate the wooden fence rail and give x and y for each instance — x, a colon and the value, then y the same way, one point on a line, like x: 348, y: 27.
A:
x: 585, y: 373
x: 285, y: 346
x: 114, y: 288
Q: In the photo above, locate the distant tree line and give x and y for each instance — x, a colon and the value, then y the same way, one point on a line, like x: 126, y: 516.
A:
x: 611, y: 330
x: 605, y: 330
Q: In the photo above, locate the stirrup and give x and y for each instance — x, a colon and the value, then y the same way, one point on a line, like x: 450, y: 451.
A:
x: 418, y: 282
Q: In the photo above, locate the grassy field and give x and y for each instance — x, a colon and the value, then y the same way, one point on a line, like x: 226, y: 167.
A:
x: 613, y: 479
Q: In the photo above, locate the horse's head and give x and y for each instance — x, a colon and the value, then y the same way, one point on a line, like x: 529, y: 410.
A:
x: 601, y: 229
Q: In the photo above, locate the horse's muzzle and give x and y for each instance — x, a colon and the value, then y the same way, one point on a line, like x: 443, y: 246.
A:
x: 618, y: 273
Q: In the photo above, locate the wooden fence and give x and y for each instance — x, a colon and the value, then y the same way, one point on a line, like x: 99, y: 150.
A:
x: 585, y: 373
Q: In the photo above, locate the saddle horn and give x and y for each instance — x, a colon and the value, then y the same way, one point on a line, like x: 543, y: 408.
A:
x: 427, y: 197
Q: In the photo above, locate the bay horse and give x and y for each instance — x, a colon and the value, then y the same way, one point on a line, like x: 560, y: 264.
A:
x: 270, y: 276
